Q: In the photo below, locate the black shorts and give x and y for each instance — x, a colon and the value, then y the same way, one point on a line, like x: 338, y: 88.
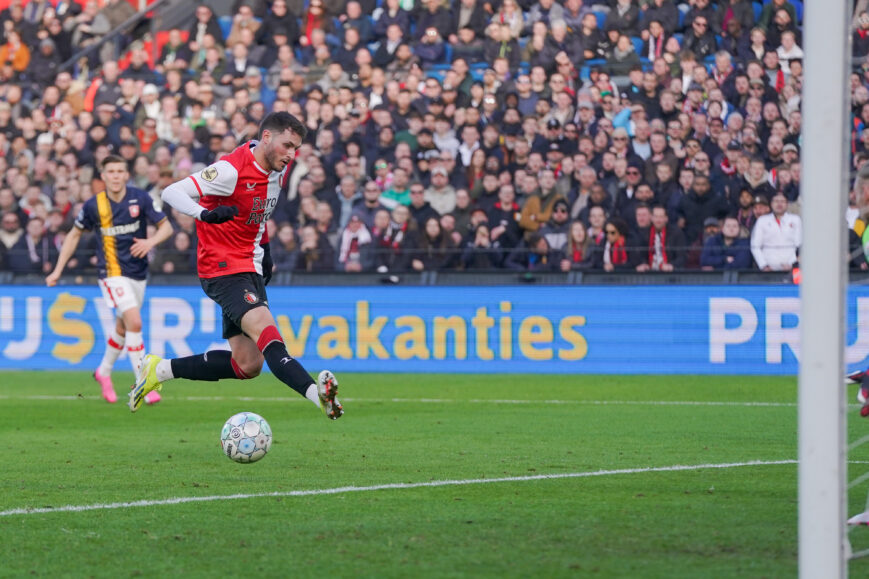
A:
x: 236, y: 294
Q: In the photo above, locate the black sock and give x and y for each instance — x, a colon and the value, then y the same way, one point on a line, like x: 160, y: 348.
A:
x: 211, y: 366
x: 286, y: 368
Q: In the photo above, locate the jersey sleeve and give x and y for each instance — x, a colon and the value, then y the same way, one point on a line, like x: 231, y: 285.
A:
x: 85, y: 218
x: 153, y: 214
x: 217, y: 179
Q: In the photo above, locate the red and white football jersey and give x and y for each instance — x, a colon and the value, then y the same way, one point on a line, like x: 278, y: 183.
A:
x: 236, y: 180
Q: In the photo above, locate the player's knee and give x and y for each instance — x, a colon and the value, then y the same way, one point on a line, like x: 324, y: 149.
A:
x: 247, y: 367
x: 253, y: 369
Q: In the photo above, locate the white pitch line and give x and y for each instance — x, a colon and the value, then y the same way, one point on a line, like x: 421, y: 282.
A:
x: 437, y: 401
x: 390, y: 486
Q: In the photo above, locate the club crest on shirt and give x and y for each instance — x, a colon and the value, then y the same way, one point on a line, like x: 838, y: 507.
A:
x: 134, y: 211
x: 250, y: 297
x: 209, y: 173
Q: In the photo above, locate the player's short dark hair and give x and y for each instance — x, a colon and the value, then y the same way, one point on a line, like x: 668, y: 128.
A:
x: 280, y: 122
x: 111, y: 159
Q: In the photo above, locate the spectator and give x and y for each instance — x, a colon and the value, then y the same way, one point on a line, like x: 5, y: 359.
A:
x: 593, y: 41
x: 421, y: 210
x: 578, y: 250
x: 510, y: 14
x: 436, y: 249
x: 33, y: 253
x: 623, y: 57
x: 430, y: 46
x: 625, y: 18
x: 440, y: 194
x: 704, y: 9
x: 180, y: 259
x: 88, y: 27
x: 391, y: 13
x: 355, y: 249
x: 776, y: 237
x: 666, y: 244
x: 533, y: 254
x: 557, y: 229
x: 10, y: 229
x: 369, y: 205
x: 619, y: 249
x: 354, y: 19
x: 315, y: 252
x: 396, y: 239
x: 480, y: 253
x: 665, y: 12
x: 44, y: 65
x: 699, y: 205
x: 14, y: 56
x: 540, y: 203
x: 699, y: 39
x: 728, y: 249
x: 316, y: 19
x: 285, y: 249
x: 770, y: 9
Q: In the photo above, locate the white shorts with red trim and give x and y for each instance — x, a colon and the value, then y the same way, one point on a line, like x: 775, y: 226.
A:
x: 122, y: 293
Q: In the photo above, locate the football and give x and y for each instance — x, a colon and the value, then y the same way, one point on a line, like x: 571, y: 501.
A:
x: 246, y: 437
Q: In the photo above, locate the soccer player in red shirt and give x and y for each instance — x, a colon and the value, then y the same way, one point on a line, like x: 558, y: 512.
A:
x: 237, y: 194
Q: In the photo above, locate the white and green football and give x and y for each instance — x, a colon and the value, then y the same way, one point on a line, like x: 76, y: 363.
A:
x: 246, y: 437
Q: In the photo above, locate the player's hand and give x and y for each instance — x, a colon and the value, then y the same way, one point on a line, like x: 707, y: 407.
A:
x: 220, y: 214
x: 140, y: 247
x: 268, y: 264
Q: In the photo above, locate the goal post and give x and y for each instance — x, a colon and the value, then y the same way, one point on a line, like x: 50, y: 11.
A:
x: 825, y: 156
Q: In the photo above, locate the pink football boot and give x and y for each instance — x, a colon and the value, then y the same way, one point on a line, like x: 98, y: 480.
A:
x: 108, y: 388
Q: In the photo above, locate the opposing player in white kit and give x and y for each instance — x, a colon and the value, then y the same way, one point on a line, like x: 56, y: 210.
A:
x: 120, y: 215
x: 237, y: 194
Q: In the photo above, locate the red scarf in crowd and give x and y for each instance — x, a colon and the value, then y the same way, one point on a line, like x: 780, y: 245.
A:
x: 311, y: 22
x: 726, y: 168
x: 779, y: 80
x: 618, y: 253
x: 652, y: 233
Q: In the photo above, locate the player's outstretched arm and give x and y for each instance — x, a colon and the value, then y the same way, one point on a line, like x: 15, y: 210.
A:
x: 221, y: 183
x: 70, y: 243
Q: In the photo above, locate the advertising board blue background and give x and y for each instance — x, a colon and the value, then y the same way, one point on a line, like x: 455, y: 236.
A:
x: 535, y: 329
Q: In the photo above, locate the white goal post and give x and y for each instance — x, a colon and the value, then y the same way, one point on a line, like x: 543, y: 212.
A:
x: 825, y: 156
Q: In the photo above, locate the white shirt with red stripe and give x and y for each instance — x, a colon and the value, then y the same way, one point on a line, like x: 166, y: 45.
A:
x: 235, y: 180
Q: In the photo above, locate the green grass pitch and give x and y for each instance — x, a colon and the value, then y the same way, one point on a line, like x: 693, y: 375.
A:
x: 62, y: 445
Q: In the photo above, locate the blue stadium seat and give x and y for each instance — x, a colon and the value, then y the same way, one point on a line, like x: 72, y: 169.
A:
x: 798, y: 6
x: 448, y: 53
x: 638, y: 44
x: 601, y: 19
x: 225, y: 26
x: 757, y: 10
x: 683, y: 8
x: 679, y: 38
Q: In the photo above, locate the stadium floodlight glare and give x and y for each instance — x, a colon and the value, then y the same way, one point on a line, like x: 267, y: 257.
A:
x: 823, y: 550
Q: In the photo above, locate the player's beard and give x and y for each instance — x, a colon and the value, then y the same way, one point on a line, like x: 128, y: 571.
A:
x: 274, y: 160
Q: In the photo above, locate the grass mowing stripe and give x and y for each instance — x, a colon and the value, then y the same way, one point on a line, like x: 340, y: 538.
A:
x: 392, y: 486
x: 438, y: 401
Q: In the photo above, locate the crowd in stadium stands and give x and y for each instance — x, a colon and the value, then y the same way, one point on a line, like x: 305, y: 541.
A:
x: 528, y: 135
